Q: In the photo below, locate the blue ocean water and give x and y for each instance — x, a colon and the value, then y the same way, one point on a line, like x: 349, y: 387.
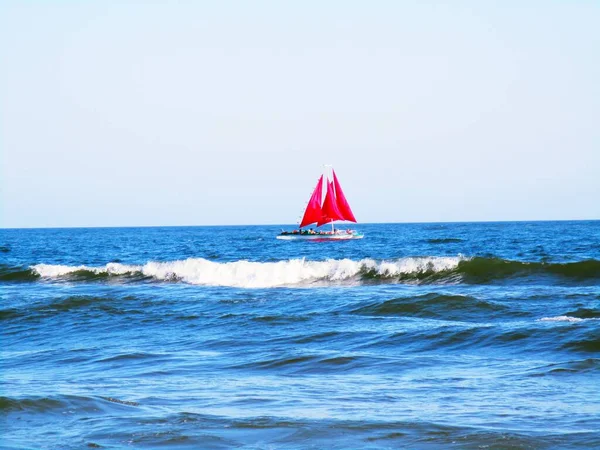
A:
x: 462, y: 335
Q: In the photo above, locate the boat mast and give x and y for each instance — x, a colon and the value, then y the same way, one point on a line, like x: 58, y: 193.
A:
x: 329, y: 168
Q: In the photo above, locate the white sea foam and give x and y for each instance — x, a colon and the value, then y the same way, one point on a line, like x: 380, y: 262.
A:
x: 53, y: 270
x: 250, y: 274
x: 561, y: 319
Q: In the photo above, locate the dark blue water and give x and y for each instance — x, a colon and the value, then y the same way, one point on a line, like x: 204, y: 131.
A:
x: 475, y: 335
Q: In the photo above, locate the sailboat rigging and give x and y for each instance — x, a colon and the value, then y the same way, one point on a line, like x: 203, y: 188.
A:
x: 319, y: 211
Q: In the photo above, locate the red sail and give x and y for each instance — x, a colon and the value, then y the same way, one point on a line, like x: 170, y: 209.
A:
x: 330, y: 209
x: 341, y: 202
x: 313, y: 211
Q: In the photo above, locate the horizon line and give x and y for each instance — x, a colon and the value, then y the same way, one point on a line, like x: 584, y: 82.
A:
x: 287, y: 225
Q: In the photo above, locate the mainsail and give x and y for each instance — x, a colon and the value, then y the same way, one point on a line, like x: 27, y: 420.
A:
x: 334, y: 207
x: 313, y: 211
x: 341, y: 202
x: 329, y: 209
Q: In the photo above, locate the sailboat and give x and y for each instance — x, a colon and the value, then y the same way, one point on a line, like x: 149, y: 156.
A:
x: 333, y: 208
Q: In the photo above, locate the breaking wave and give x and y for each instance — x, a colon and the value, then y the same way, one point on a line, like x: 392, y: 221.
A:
x: 301, y: 272
x: 259, y: 274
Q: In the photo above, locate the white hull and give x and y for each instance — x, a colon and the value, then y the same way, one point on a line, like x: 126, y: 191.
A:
x: 320, y: 237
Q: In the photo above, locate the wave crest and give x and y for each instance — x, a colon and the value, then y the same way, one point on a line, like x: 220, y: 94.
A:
x: 561, y: 319
x: 302, y: 272
x: 260, y: 274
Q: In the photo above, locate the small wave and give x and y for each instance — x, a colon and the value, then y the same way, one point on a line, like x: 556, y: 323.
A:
x: 39, y: 404
x: 313, y: 363
x: 131, y: 357
x: 280, y: 319
x: 15, y: 273
x: 588, y: 365
x: 456, y: 307
x: 72, y: 302
x: 59, y: 403
x: 485, y: 269
x: 120, y: 402
x: 444, y: 240
x: 9, y: 313
x: 108, y: 305
x: 278, y: 363
x: 585, y: 313
x: 561, y: 319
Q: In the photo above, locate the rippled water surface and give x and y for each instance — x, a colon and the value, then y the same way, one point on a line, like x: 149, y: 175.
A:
x: 467, y: 335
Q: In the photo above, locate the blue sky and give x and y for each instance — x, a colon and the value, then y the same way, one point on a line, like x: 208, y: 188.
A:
x: 198, y: 113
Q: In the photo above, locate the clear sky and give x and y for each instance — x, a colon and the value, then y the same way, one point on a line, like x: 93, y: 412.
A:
x: 119, y: 113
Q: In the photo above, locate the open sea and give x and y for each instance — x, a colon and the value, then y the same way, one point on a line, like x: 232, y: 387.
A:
x: 437, y: 335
